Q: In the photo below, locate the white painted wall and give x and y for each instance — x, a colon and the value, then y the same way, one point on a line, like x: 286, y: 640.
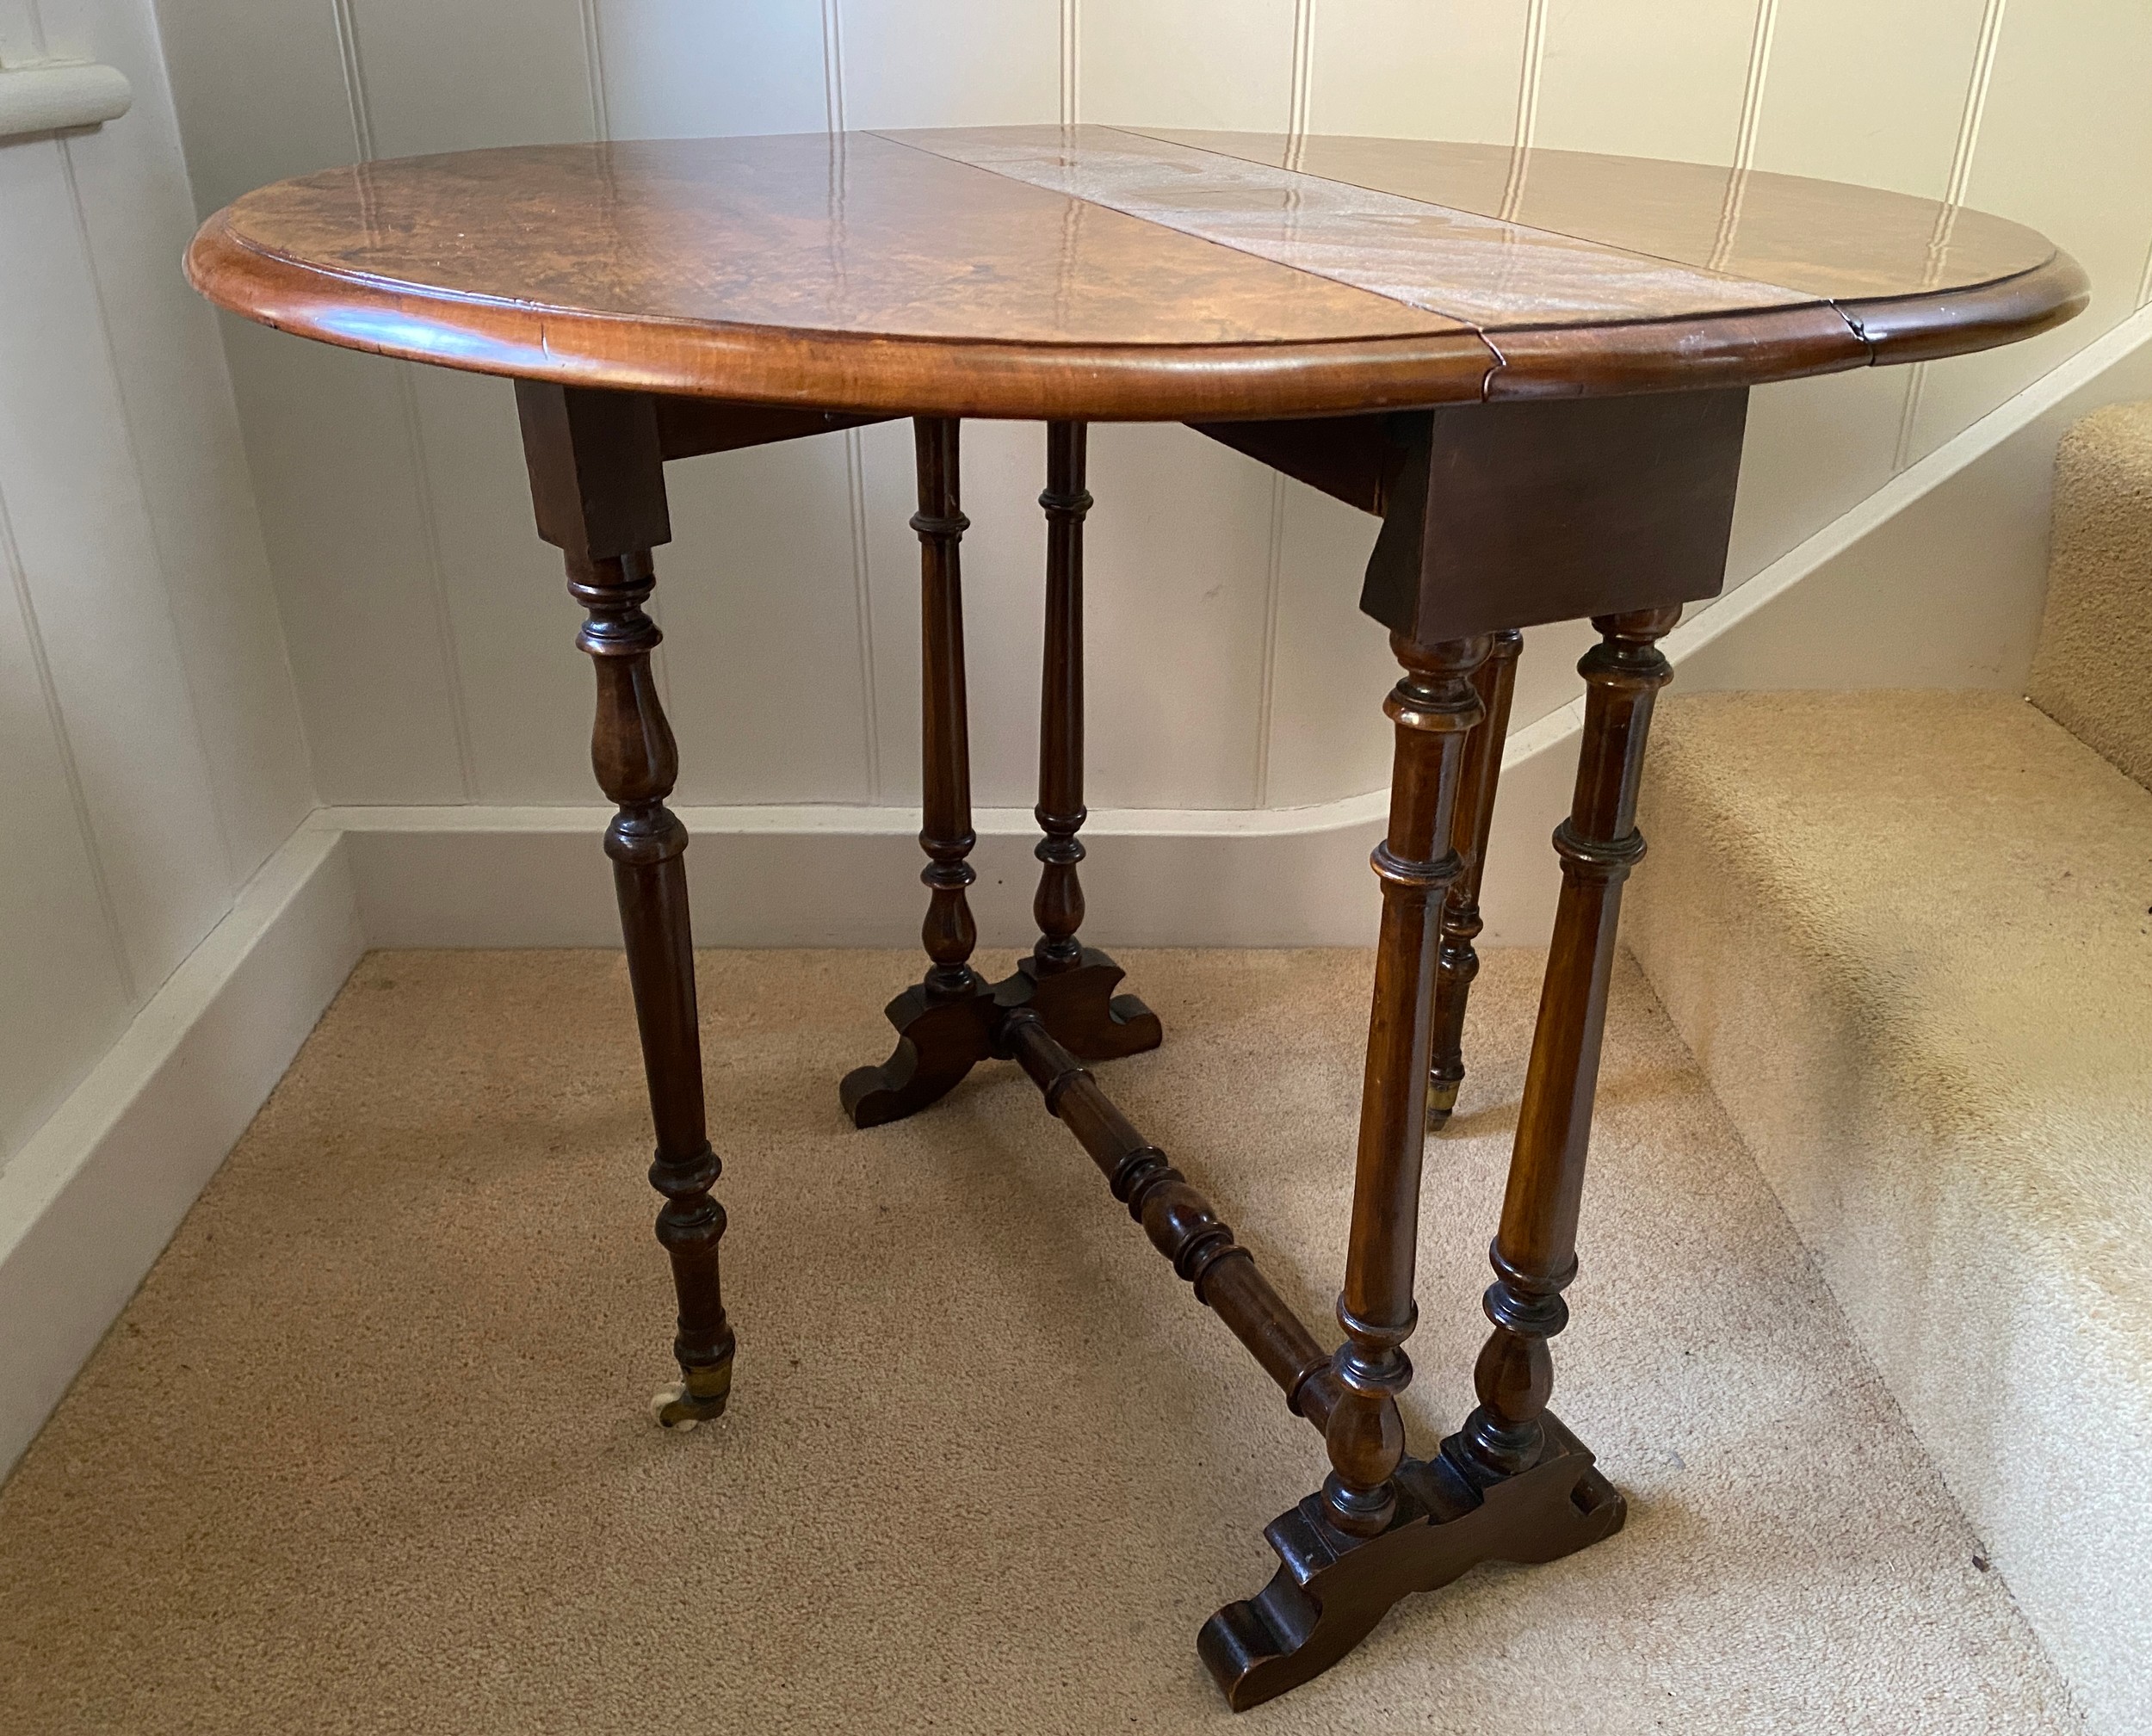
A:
x: 1231, y: 669
x: 151, y: 751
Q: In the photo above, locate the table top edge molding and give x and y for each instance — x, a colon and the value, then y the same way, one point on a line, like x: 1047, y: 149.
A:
x: 883, y: 372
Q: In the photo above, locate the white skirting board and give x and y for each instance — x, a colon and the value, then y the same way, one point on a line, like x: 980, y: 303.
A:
x: 88, y: 1204
x: 850, y: 876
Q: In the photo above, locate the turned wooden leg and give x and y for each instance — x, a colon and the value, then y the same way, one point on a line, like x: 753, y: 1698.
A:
x: 1068, y: 985
x: 1385, y: 1525
x: 1535, y: 1252
x: 943, y: 1022
x: 1433, y: 708
x: 598, y: 484
x: 1460, y: 924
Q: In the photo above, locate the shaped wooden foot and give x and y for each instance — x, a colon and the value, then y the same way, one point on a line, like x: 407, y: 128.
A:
x: 1332, y: 1589
x: 938, y: 1041
x: 1078, y: 1005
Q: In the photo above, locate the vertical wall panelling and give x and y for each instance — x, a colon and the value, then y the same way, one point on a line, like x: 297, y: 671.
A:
x: 263, y: 92
x: 432, y: 77
x: 83, y: 537
x: 1531, y: 71
x: 686, y: 69
x: 1071, y: 52
x: 1003, y: 566
x: 424, y: 78
x: 1953, y: 195
x: 1888, y: 116
x: 1418, y: 69
x: 1326, y: 666
x: 1177, y: 562
x: 1752, y: 86
x: 1893, y: 115
x: 1303, y: 70
x: 2060, y: 140
x: 1270, y: 587
x: 888, y: 563
x: 152, y: 756
x: 949, y: 63
x: 594, y: 67
x: 1177, y: 63
x: 1646, y: 77
x: 762, y: 605
x: 756, y: 642
x: 130, y: 192
x: 864, y: 612
x: 1203, y: 550
x: 504, y: 621
x: 66, y: 993
x: 833, y: 66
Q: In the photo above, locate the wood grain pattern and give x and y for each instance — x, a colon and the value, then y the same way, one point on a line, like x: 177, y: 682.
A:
x: 1810, y: 237
x: 1472, y: 267
x: 1091, y: 273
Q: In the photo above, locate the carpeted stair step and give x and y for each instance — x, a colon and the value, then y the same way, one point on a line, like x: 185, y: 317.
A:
x: 1907, y: 936
x: 2093, y: 671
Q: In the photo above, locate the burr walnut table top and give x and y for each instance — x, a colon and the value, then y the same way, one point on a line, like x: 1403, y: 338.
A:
x: 1103, y: 273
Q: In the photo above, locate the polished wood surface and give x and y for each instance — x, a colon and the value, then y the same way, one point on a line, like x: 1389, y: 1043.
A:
x: 1180, y: 1222
x: 598, y: 482
x: 1513, y: 515
x: 1473, y: 825
x: 1532, y: 366
x: 941, y: 1021
x: 1433, y: 710
x: 1850, y: 246
x: 1535, y: 1253
x: 1090, y: 273
x: 952, y: 1020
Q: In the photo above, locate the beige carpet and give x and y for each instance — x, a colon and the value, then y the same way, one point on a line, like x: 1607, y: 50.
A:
x: 369, y: 1452
x: 2096, y: 633
x: 1907, y: 936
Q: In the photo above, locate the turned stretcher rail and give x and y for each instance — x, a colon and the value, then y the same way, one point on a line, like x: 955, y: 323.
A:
x: 1181, y: 1223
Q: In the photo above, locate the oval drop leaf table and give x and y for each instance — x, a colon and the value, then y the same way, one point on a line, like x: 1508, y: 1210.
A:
x: 1532, y: 367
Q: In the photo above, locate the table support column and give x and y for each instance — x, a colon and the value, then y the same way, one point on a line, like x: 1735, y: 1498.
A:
x: 1535, y: 1252
x: 1434, y: 708
x: 1070, y: 985
x: 1461, y: 922
x: 1514, y: 1484
x: 598, y: 482
x: 945, y: 1022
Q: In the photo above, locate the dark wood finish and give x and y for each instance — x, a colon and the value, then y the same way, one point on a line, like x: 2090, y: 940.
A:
x: 1535, y: 1252
x: 1180, y: 1222
x: 1069, y: 984
x: 1458, y: 962
x: 598, y: 487
x: 943, y: 1023
x: 1349, y: 458
x: 1385, y: 1524
x: 1058, y: 906
x: 1433, y: 708
x: 1097, y: 274
x: 1405, y: 326
x: 1511, y: 515
x: 689, y: 427
x: 1331, y: 1589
